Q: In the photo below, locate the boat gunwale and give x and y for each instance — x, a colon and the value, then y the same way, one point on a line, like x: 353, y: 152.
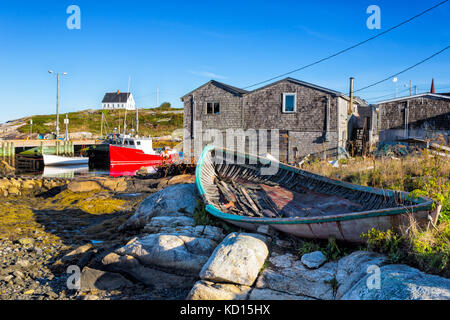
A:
x: 422, y: 203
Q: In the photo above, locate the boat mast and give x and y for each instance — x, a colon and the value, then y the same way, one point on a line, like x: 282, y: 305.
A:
x: 137, y: 121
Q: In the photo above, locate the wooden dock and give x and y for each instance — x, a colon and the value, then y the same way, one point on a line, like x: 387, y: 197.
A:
x: 45, y: 143
x: 8, y: 148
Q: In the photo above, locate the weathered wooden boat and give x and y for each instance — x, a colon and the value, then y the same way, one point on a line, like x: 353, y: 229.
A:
x: 298, y: 202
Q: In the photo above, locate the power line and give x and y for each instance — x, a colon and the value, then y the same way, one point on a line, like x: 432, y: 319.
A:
x: 350, y: 48
x: 403, y: 71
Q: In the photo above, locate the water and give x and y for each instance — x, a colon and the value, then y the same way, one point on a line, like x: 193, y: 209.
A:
x: 70, y: 172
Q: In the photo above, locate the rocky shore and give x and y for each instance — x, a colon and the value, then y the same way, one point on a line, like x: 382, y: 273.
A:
x: 134, y: 238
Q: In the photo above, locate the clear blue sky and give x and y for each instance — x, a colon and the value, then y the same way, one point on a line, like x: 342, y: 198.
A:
x: 177, y: 46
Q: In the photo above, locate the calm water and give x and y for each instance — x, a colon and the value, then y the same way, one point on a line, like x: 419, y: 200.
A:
x: 84, y: 170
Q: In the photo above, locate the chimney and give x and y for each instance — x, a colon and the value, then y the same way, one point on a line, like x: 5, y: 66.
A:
x: 350, y: 105
x: 432, y: 87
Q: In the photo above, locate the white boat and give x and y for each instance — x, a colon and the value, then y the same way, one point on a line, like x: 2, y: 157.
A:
x: 52, y: 160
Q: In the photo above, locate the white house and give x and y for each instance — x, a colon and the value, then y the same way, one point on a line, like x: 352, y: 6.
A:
x: 118, y: 100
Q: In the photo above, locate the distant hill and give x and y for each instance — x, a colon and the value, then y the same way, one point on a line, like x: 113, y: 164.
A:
x: 156, y: 122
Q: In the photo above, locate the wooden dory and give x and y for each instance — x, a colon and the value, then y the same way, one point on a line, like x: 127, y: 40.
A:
x: 299, y: 202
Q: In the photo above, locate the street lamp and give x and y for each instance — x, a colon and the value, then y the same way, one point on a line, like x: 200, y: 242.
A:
x: 57, y: 100
x: 395, y: 80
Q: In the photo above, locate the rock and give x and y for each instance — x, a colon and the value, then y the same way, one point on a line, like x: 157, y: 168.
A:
x: 18, y: 274
x: 147, y: 275
x: 238, y: 259
x: 180, y: 179
x: 5, y: 168
x: 178, y: 200
x: 208, y: 232
x: 157, y: 223
x: 75, y: 254
x: 314, y: 260
x: 84, y: 186
x: 114, y: 184
x: 8, y: 278
x: 26, y: 241
x: 267, y: 294
x: 179, y: 252
x: 23, y: 263
x: 14, y: 191
x: 205, y: 290
x: 288, y: 274
x: 92, y: 279
x: 354, y: 267
x: 400, y: 282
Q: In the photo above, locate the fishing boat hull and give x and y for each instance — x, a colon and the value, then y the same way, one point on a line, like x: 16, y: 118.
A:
x: 130, y: 157
x: 304, y: 204
x: 59, y: 161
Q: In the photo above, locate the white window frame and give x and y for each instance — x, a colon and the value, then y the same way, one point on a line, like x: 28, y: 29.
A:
x: 295, y: 102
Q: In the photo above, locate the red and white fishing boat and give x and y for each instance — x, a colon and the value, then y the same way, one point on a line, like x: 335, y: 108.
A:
x: 135, y: 153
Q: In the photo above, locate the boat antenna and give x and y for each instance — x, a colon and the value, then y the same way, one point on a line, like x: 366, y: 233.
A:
x: 125, y: 118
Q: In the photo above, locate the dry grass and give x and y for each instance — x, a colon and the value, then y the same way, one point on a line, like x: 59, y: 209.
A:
x: 422, y: 175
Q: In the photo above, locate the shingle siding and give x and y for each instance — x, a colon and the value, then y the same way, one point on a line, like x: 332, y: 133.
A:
x: 427, y: 118
x: 305, y: 130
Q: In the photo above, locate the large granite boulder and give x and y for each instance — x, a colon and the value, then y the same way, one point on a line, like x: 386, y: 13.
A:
x: 400, y: 282
x: 287, y: 274
x: 174, y: 251
x: 148, y: 275
x: 237, y: 259
x: 205, y: 290
x: 354, y: 267
x: 92, y: 279
x: 175, y: 201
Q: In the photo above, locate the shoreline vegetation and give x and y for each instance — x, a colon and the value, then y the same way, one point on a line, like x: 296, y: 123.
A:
x: 157, y: 122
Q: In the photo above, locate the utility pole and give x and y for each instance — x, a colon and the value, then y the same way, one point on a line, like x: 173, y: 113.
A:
x: 415, y: 90
x: 410, y: 87
x: 157, y: 97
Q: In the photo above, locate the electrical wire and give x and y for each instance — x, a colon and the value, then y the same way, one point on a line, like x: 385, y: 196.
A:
x: 351, y: 47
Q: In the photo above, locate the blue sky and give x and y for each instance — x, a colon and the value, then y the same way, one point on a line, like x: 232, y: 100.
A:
x: 177, y: 46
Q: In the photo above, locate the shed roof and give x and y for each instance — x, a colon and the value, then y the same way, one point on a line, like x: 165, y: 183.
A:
x: 242, y: 92
x: 422, y: 95
x: 226, y: 87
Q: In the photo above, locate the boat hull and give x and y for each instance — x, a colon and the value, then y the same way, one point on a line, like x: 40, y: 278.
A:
x: 369, y: 207
x: 59, y: 161
x: 133, y: 158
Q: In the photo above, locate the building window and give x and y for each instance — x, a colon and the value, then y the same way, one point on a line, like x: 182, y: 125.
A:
x: 289, y: 102
x: 212, y: 108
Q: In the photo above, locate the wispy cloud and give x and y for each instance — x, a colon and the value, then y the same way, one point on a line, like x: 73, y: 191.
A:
x: 321, y: 35
x: 207, y: 74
